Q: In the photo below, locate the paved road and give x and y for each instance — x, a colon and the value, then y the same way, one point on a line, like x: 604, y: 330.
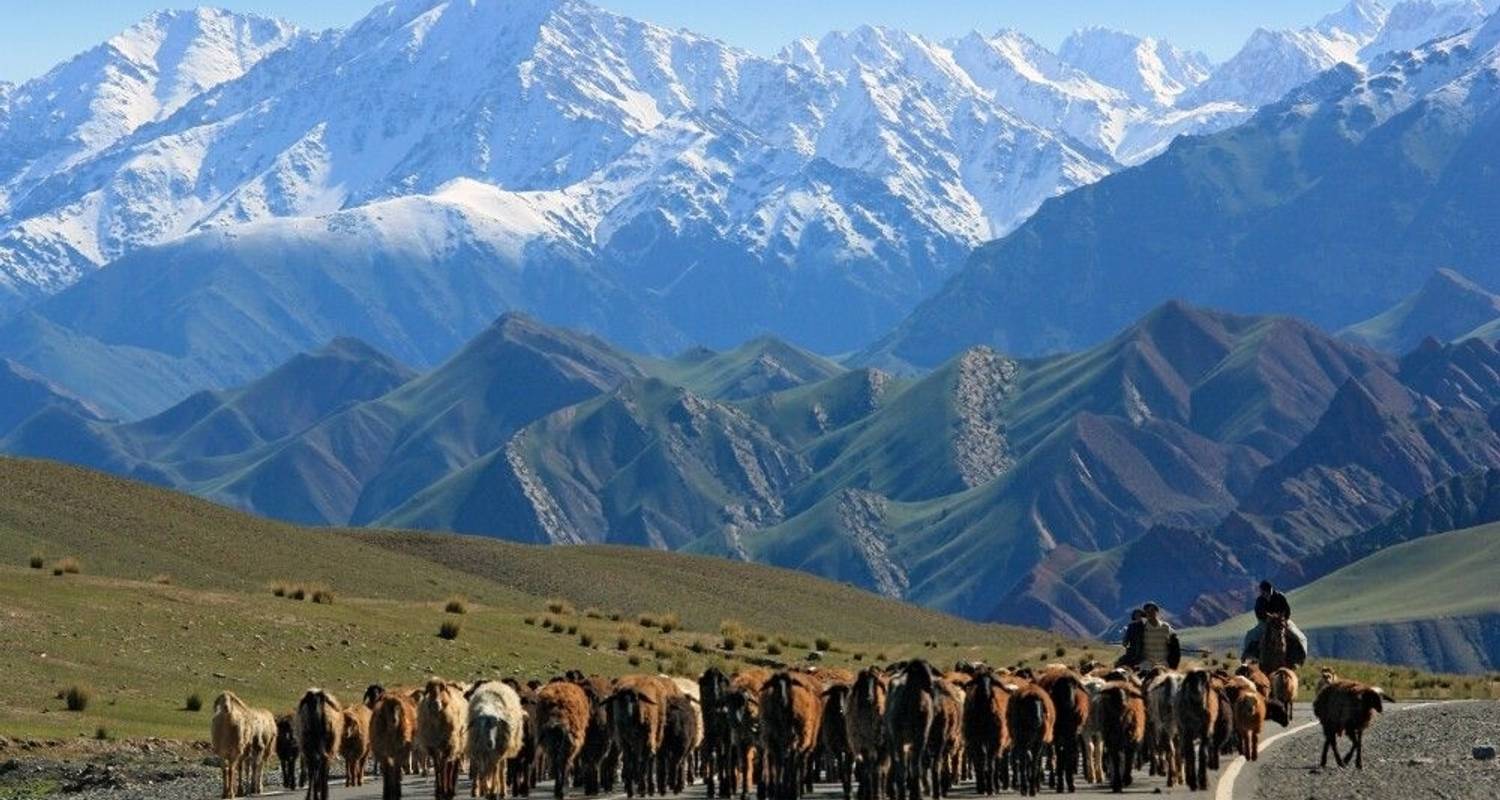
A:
x: 1411, y: 740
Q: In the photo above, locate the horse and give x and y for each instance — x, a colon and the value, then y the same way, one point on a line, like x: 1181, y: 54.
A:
x: 1273, y: 644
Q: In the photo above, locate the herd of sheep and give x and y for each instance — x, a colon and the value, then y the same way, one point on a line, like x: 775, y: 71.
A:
x: 896, y: 733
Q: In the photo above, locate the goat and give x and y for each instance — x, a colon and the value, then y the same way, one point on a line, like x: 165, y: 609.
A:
x: 442, y: 722
x: 1197, y: 715
x: 319, y: 731
x: 1030, y: 718
x: 1284, y: 689
x: 1092, y: 736
x: 1122, y: 712
x: 791, y: 709
x: 679, y: 739
x: 637, y: 715
x: 563, y: 712
x: 834, y: 736
x: 1070, y: 700
x: 911, y: 709
x: 355, y: 744
x: 742, y: 708
x: 1162, y: 729
x: 287, y: 750
x: 1249, y: 716
x: 1347, y: 708
x: 985, y: 735
x: 393, y: 725
x: 866, y: 727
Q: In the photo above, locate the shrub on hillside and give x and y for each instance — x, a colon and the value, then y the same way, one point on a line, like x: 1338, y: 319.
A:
x: 298, y: 593
x: 823, y: 643
x: 67, y: 566
x: 162, y: 580
x: 323, y: 596
x: 456, y: 605
x: 450, y: 630
x: 77, y: 698
x: 37, y: 562
x: 647, y: 621
x: 193, y: 703
x: 585, y: 640
x: 670, y: 622
x: 559, y: 607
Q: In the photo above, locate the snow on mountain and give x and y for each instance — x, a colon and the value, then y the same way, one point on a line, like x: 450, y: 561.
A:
x: 1149, y: 71
x: 1273, y: 63
x: 855, y: 169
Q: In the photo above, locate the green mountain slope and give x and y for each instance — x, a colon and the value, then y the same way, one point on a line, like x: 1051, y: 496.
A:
x: 1448, y: 307
x: 1429, y: 602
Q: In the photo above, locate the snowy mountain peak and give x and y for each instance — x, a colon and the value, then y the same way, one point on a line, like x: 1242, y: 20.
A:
x: 1360, y: 19
x: 1149, y: 71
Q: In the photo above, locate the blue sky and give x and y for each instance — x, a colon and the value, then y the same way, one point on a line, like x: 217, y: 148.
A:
x: 39, y: 33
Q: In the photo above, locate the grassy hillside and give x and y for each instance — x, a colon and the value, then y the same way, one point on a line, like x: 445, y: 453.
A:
x: 173, y: 598
x: 1431, y: 602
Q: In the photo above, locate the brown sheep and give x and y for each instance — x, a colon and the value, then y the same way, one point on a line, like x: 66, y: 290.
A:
x: 945, y: 742
x: 595, y: 764
x: 355, y: 744
x: 910, y: 711
x: 985, y: 735
x: 1070, y: 700
x: 1284, y: 689
x: 742, y: 706
x: 1197, y: 715
x: 319, y: 731
x: 791, y: 709
x: 1030, y: 718
x: 393, y: 726
x: 833, y: 736
x: 1347, y: 708
x: 713, y: 689
x: 563, y: 711
x: 287, y: 750
x: 678, y: 742
x: 1251, y: 670
x: 637, y: 716
x: 1122, y: 716
x: 524, y: 767
x: 866, y: 727
x: 442, y: 731
x: 1249, y: 716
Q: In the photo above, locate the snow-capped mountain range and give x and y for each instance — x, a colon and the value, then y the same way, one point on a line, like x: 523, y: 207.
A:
x: 822, y: 192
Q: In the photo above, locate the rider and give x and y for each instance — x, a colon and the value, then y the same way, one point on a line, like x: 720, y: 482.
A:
x: 1269, y: 602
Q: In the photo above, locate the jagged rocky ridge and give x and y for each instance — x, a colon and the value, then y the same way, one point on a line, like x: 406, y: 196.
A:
x: 1192, y: 453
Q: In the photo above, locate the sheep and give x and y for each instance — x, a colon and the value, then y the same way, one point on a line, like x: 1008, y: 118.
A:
x: 637, y: 714
x: 1092, y: 736
x: 1252, y: 671
x: 1346, y: 707
x: 262, y: 747
x: 791, y: 709
x: 287, y: 749
x: 594, y: 766
x: 496, y: 725
x: 833, y: 736
x: 1070, y: 700
x: 910, y: 710
x: 233, y: 734
x: 713, y: 689
x: 1284, y: 689
x: 742, y: 706
x: 1249, y: 716
x: 442, y: 731
x: 866, y: 728
x: 1030, y: 717
x: 393, y: 726
x: 689, y: 689
x: 985, y: 736
x: 1162, y: 729
x: 1122, y: 716
x: 524, y: 767
x: 1197, y: 714
x: 678, y: 741
x: 319, y: 731
x: 945, y: 743
x: 354, y: 746
x: 563, y: 711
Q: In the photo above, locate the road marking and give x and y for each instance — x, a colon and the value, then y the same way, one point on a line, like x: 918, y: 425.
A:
x: 1225, y: 789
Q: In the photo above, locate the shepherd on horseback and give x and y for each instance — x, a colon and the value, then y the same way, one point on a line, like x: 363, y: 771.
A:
x: 1275, y: 637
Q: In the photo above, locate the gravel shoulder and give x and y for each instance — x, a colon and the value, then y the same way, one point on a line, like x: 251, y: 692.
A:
x: 1411, y: 751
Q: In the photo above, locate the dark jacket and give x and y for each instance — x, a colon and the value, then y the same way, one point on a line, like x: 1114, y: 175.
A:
x: 1274, y: 604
